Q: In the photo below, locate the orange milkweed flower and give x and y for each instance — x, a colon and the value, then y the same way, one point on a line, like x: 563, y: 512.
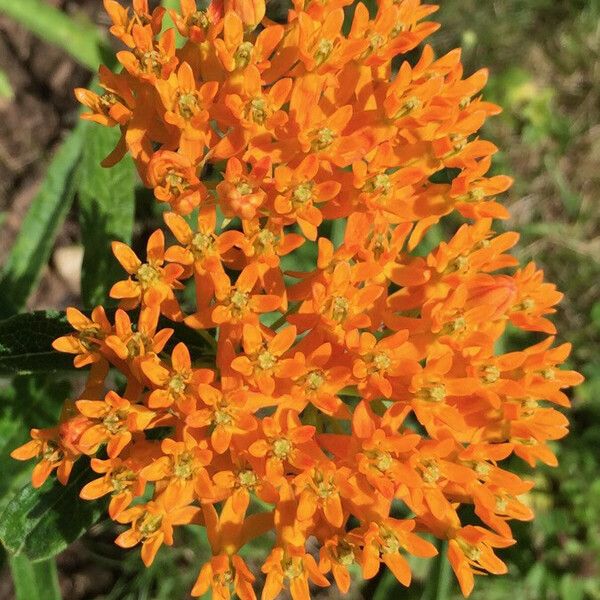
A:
x: 152, y: 282
x: 112, y: 422
x: 45, y: 445
x: 152, y: 523
x: 86, y: 343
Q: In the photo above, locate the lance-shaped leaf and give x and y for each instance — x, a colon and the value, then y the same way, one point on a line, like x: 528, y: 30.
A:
x: 41, y: 523
x: 76, y: 35
x: 106, y: 213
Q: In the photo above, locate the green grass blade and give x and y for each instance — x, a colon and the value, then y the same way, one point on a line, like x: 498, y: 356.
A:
x: 34, y: 581
x: 41, y: 225
x: 106, y: 213
x: 76, y: 35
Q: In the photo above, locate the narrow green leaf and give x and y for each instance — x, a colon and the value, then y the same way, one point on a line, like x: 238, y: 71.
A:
x: 76, y: 35
x: 41, y: 523
x: 26, y: 343
x: 34, y: 581
x: 42, y: 223
x: 106, y: 213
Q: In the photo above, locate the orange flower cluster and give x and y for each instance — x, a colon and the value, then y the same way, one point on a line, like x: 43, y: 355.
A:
x: 358, y: 403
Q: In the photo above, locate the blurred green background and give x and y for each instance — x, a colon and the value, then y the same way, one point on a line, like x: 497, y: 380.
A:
x: 544, y: 61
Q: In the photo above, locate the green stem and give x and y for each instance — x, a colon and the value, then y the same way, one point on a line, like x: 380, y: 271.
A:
x: 208, y: 338
x: 34, y: 580
x: 440, y: 581
x: 281, y: 321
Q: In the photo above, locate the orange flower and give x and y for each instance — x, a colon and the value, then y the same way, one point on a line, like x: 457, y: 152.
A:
x: 86, y: 343
x: 471, y: 549
x: 177, y: 384
x: 114, y: 106
x: 261, y: 362
x: 298, y: 193
x: 383, y: 542
x: 152, y: 523
x: 46, y: 445
x: 236, y: 304
x: 152, y: 282
x: 174, y: 180
x: 295, y: 568
x: 121, y: 478
x: 227, y: 415
x: 286, y: 441
x: 112, y: 422
x: 182, y: 467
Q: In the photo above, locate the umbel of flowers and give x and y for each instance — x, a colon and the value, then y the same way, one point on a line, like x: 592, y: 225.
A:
x: 368, y: 380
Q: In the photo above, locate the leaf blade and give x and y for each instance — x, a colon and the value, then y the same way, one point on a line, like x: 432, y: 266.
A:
x: 107, y: 206
x: 41, y: 523
x: 77, y: 36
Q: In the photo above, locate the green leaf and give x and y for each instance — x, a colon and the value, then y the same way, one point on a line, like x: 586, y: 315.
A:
x: 34, y: 581
x: 76, y: 35
x: 41, y: 523
x: 106, y: 213
x: 26, y: 343
x: 42, y: 223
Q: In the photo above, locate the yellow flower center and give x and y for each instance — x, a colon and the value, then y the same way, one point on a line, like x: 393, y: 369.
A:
x: 491, y: 374
x: 323, y: 51
x: 314, y: 380
x: 107, y: 100
x: 239, y: 300
x: 188, y: 105
x: 431, y: 471
x: 147, y: 275
x: 175, y: 183
x: 114, y: 421
x: 382, y: 361
x: 258, y: 110
x: 345, y: 554
x: 184, y: 466
x: 303, y: 193
x: 340, y: 306
x: 433, y: 393
x: 51, y: 452
x: 247, y: 479
x: 323, y: 138
x: 177, y: 384
x: 121, y: 479
x: 149, y: 524
x: 244, y: 188
x: 282, y: 448
x: 266, y: 361
x: 243, y: 55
